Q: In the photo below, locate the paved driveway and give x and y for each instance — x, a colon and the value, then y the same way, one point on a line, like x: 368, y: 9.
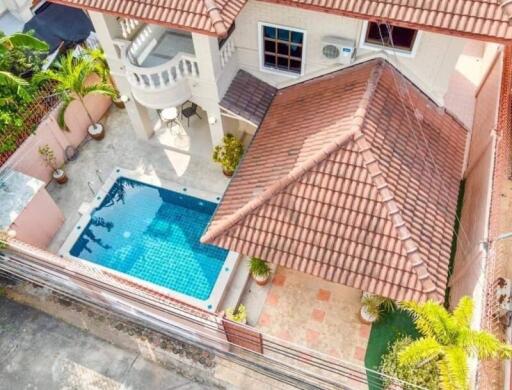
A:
x: 40, y: 352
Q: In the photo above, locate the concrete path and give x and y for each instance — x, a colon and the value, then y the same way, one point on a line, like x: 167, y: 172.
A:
x: 40, y: 352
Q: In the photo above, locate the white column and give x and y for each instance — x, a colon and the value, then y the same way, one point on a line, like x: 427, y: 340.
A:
x: 107, y: 29
x: 206, y: 49
x: 215, y: 123
x: 138, y: 114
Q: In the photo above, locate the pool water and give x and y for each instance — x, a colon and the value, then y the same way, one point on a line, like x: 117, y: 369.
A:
x: 153, y: 234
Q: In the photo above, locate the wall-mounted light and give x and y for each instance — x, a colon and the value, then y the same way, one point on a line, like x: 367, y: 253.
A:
x: 212, y: 120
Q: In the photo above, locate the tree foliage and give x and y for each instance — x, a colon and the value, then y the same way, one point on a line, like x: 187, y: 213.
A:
x: 425, y: 376
x: 21, y: 56
x: 448, y: 341
x: 73, y: 80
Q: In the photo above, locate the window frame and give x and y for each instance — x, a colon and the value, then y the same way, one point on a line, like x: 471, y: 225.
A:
x: 261, y: 50
x: 375, y: 47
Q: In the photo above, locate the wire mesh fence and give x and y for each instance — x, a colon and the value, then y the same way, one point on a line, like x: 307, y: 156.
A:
x: 288, y: 363
x: 31, y: 115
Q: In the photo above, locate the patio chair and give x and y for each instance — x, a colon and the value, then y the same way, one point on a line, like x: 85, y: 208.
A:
x: 189, y: 112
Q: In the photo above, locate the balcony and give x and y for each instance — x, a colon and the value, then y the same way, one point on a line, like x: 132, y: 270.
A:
x: 160, y: 65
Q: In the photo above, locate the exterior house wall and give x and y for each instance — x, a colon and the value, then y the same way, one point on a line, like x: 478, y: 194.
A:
x: 40, y: 221
x: 469, y: 264
x: 430, y: 68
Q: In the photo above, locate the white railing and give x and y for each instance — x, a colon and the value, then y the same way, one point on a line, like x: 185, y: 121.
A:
x: 226, y: 52
x: 129, y: 27
x: 163, y: 76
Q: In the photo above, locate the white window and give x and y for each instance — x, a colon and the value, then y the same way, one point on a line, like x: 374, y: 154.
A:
x: 401, y: 40
x: 282, y: 49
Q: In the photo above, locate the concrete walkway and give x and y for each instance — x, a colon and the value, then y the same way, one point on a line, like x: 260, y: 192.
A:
x: 40, y: 352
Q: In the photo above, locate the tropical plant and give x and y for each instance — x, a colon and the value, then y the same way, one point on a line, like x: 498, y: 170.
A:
x: 21, y: 56
x: 448, y: 340
x: 4, y: 237
x: 48, y: 156
x: 259, y: 267
x: 376, y: 305
x: 73, y: 82
x: 425, y: 376
x: 237, y: 315
x: 229, y: 153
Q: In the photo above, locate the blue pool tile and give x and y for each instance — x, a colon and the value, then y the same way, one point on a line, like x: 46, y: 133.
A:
x: 153, y: 234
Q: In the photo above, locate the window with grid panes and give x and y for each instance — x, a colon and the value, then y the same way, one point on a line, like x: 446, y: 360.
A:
x: 282, y: 49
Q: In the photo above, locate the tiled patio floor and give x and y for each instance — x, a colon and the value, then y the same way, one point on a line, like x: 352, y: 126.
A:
x: 320, y: 315
x: 182, y: 156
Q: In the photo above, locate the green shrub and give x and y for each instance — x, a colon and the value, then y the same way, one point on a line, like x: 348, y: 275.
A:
x: 426, y: 375
x: 259, y: 267
x: 229, y: 153
x: 237, y: 315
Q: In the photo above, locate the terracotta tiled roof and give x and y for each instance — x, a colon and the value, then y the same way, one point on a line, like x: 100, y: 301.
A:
x: 207, y: 16
x: 248, y: 97
x: 476, y: 18
x: 339, y: 183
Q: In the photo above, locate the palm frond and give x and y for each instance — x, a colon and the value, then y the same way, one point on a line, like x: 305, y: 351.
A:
x: 62, y: 111
x: 483, y: 344
x: 100, y: 88
x: 23, y: 40
x: 431, y: 319
x: 419, y: 352
x: 463, y: 312
x: 445, y: 381
x: 456, y: 368
x: 7, y: 78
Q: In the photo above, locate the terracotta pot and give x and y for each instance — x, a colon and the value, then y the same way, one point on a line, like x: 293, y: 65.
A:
x: 227, y: 174
x: 261, y: 280
x: 60, y: 176
x: 119, y: 102
x: 96, y: 131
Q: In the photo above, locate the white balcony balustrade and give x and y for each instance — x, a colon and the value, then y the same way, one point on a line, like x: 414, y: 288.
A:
x: 160, y: 66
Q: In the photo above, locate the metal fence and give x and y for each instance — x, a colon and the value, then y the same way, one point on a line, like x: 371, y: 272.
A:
x: 32, y: 114
x: 292, y: 364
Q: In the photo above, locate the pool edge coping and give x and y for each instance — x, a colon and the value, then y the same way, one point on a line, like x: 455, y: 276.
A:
x: 231, y: 262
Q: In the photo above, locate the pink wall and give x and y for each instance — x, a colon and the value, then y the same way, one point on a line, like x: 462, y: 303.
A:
x: 40, y: 220
x: 27, y: 160
x: 474, y: 219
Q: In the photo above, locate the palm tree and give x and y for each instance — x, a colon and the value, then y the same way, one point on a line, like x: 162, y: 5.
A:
x: 449, y: 341
x: 72, y: 78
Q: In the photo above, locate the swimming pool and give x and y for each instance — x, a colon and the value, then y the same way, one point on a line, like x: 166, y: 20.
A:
x: 152, y: 234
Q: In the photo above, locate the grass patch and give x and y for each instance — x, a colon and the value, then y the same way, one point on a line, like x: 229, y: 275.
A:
x: 390, y: 327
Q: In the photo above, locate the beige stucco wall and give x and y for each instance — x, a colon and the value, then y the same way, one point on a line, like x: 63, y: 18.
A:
x: 430, y: 68
x: 468, y: 273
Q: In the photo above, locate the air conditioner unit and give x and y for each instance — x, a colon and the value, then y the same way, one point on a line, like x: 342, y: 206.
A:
x: 338, y: 49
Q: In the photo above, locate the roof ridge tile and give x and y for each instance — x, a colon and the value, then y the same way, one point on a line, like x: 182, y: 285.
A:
x: 300, y: 170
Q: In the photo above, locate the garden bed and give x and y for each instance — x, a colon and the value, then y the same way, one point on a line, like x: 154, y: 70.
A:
x: 390, y: 327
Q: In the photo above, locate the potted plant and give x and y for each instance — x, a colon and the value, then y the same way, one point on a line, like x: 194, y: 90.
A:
x: 372, y: 307
x: 120, y: 100
x: 237, y: 315
x: 72, y: 78
x: 49, y: 159
x: 228, y: 154
x: 260, y: 271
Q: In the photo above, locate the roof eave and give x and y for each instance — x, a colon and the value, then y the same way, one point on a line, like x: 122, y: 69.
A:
x: 417, y: 26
